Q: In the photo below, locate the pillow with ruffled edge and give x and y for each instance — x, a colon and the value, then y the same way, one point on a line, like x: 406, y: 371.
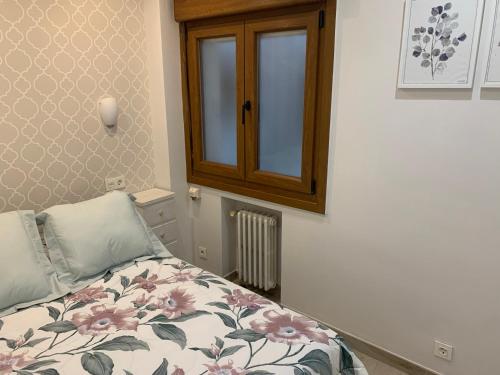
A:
x: 89, y: 239
x: 27, y: 277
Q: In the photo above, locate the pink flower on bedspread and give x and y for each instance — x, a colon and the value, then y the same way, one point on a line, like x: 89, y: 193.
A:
x: 251, y: 300
x: 178, y: 371
x: 103, y: 320
x: 142, y: 301
x: 150, y: 283
x: 175, y: 303
x: 183, y: 276
x: 287, y: 329
x: 228, y: 369
x: 10, y: 362
x: 88, y: 295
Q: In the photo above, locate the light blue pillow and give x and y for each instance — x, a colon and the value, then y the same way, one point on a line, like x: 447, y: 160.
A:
x: 26, y: 274
x: 88, y: 239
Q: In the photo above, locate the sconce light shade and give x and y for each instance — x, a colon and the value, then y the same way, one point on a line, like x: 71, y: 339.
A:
x: 108, y: 109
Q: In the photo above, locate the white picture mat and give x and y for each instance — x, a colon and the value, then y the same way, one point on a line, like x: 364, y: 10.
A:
x: 492, y: 67
x: 461, y: 67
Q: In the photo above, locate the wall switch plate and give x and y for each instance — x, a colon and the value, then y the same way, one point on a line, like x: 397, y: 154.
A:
x: 115, y: 183
x: 442, y: 350
x: 202, y: 251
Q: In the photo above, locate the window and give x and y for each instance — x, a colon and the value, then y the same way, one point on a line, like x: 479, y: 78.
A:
x: 257, y: 92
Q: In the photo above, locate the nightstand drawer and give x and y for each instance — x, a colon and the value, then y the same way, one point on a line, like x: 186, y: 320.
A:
x: 167, y: 232
x: 159, y: 213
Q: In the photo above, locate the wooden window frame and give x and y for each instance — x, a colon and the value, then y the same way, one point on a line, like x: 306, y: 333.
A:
x: 225, y: 30
x: 312, y: 196
x: 253, y: 28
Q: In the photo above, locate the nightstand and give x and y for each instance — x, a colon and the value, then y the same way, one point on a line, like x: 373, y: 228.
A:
x: 157, y: 207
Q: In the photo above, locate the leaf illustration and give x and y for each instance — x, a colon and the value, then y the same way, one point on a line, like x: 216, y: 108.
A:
x: 202, y: 283
x: 163, y: 369
x: 97, y: 363
x: 58, y: 327
x: 248, y: 312
x: 145, y: 274
x: 53, y: 312
x: 35, y: 342
x: 220, y: 305
x: 205, y: 351
x: 204, y: 277
x: 37, y: 365
x: 171, y: 333
x: 230, y: 350
x: 125, y: 281
x: 192, y: 315
x: 259, y: 372
x: 123, y: 343
x: 159, y: 319
x: 318, y: 361
x: 77, y: 305
x: 163, y: 319
x: 108, y: 276
x: 246, y: 335
x: 48, y: 371
x: 227, y: 320
x: 12, y: 344
x: 218, y: 282
x: 28, y: 334
x: 219, y: 342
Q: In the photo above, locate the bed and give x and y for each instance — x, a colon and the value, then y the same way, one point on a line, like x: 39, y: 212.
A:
x: 167, y: 317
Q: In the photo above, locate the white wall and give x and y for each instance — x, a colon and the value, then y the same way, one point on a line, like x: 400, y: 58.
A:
x: 408, y: 250
x: 167, y: 121
x: 157, y: 101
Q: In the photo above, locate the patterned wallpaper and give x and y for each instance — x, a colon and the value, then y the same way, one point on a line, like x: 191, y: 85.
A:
x: 57, y: 58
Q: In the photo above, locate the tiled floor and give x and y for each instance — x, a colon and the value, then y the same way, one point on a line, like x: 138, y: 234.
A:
x: 375, y: 367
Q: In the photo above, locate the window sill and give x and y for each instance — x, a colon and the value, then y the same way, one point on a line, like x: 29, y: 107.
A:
x: 308, y: 202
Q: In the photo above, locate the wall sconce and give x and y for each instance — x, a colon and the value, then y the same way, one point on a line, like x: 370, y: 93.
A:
x: 108, y: 109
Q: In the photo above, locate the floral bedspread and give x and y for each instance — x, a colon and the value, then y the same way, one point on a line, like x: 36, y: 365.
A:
x: 168, y: 317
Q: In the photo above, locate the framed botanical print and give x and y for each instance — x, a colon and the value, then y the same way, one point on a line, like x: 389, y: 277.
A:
x: 440, y: 43
x: 492, y: 68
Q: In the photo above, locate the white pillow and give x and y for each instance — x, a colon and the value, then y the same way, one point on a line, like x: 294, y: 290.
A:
x: 88, y: 239
x: 26, y: 275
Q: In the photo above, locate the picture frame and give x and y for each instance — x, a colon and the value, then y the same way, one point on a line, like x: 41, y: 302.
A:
x: 491, y: 76
x: 440, y: 43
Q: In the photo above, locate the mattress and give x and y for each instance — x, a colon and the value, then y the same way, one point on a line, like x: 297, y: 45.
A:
x: 168, y: 317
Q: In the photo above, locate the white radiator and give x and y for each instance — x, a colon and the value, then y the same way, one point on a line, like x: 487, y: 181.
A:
x: 257, y: 242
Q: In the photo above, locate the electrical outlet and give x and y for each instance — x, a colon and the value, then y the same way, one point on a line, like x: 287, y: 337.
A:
x: 442, y: 350
x: 115, y: 183
x: 203, y: 252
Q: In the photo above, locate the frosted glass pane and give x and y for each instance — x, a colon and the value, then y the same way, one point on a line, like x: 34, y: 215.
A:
x: 282, y: 66
x: 218, y: 85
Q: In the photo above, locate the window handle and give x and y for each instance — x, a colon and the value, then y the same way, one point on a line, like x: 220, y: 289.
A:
x: 247, y: 106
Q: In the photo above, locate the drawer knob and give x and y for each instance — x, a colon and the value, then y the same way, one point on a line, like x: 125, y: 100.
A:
x: 162, y: 235
x: 160, y: 213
